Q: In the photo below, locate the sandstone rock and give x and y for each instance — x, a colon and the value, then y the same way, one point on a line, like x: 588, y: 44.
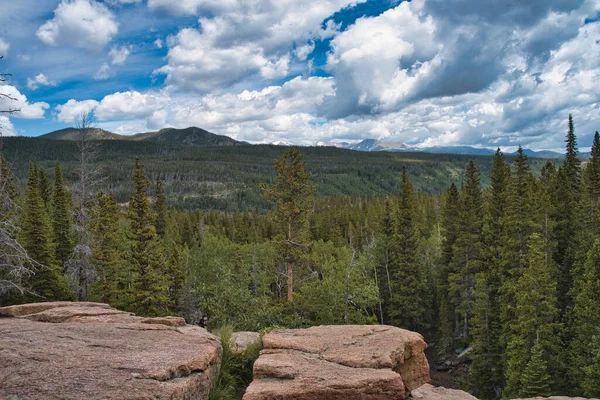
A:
x: 92, y: 351
x: 429, y: 392
x: 339, y: 362
x: 240, y: 341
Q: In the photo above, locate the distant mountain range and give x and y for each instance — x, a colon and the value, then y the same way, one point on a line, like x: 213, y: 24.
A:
x: 194, y: 136
x: 377, y: 145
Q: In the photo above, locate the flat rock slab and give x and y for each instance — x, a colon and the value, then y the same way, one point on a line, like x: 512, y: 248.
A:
x: 429, y: 392
x: 93, y: 351
x: 367, y: 362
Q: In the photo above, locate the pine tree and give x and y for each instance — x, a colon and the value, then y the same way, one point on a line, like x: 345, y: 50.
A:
x: 466, y: 258
x: 536, y: 318
x: 486, y: 367
x: 572, y: 164
x: 585, y: 320
x: 159, y: 206
x: 407, y: 308
x: 292, y: 196
x: 36, y: 238
x: 44, y: 187
x: 8, y: 191
x: 111, y: 284
x: 591, y: 380
x: 536, y: 379
x: 149, y: 288
x: 450, y: 219
x: 62, y: 219
x: 384, y: 276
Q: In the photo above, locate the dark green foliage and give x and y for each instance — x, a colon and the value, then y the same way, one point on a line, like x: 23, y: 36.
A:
x: 36, y: 237
x: 44, y: 187
x: 536, y: 379
x: 291, y: 195
x: 159, y: 206
x: 149, y: 294
x: 111, y: 274
x: 536, y: 319
x: 62, y: 218
x: 406, y: 307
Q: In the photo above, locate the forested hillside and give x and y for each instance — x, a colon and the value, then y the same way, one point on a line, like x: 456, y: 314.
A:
x: 227, y: 178
x: 510, y: 268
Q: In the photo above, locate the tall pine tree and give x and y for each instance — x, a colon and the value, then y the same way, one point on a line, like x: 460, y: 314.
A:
x: 36, y: 237
x: 407, y: 308
x: 149, y: 294
x: 62, y: 218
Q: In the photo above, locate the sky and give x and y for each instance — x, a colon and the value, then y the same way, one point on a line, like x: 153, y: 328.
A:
x: 424, y: 72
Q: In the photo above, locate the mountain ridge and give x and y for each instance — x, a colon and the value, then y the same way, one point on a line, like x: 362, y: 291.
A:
x: 195, y: 136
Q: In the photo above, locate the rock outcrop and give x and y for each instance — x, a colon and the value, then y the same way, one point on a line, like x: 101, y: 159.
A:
x: 339, y: 362
x: 240, y: 341
x: 67, y: 350
x: 429, y: 392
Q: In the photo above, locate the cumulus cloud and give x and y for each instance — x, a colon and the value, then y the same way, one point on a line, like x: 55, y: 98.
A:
x: 6, y: 127
x: 237, y: 41
x: 79, y: 23
x: 72, y: 109
x: 13, y: 99
x: 39, y: 80
x: 4, y: 46
x: 119, y: 54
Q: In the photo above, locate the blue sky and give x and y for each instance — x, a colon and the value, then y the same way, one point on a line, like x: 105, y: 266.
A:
x: 425, y: 72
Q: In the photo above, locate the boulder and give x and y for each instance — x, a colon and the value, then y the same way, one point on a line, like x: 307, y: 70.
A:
x: 347, y: 362
x: 240, y: 341
x: 429, y: 392
x: 92, y: 351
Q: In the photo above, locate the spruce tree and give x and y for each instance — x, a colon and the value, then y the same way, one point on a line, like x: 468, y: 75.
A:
x: 36, y: 238
x: 572, y: 164
x: 585, y: 321
x: 450, y: 219
x: 147, y: 259
x: 62, y: 218
x: 466, y: 258
x: 407, y: 308
x: 536, y: 379
x: 384, y: 276
x: 536, y: 319
x: 8, y: 191
x: 591, y: 379
x: 44, y: 187
x: 486, y: 375
x: 159, y: 206
x: 111, y: 284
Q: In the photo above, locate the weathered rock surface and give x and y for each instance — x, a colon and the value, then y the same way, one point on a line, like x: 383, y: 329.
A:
x: 339, y: 362
x: 92, y: 351
x: 240, y: 341
x: 429, y: 392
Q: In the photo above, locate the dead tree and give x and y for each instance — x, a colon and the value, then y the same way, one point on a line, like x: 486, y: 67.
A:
x: 15, y: 265
x: 80, y: 266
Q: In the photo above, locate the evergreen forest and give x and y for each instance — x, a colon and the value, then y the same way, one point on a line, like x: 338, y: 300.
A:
x: 499, y: 255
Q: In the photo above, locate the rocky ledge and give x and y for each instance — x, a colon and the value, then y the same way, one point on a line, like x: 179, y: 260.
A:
x: 67, y: 350
x: 339, y: 362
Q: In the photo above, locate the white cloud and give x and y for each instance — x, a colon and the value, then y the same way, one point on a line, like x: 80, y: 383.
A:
x: 4, y: 46
x: 119, y: 54
x: 6, y: 127
x: 39, y: 80
x: 239, y: 42
x: 23, y: 57
x: 72, y: 109
x: 13, y: 99
x: 103, y: 73
x: 79, y: 23
x: 130, y: 105
x: 158, y: 43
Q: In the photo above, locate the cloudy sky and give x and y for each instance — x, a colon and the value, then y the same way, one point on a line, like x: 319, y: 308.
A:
x: 425, y: 72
